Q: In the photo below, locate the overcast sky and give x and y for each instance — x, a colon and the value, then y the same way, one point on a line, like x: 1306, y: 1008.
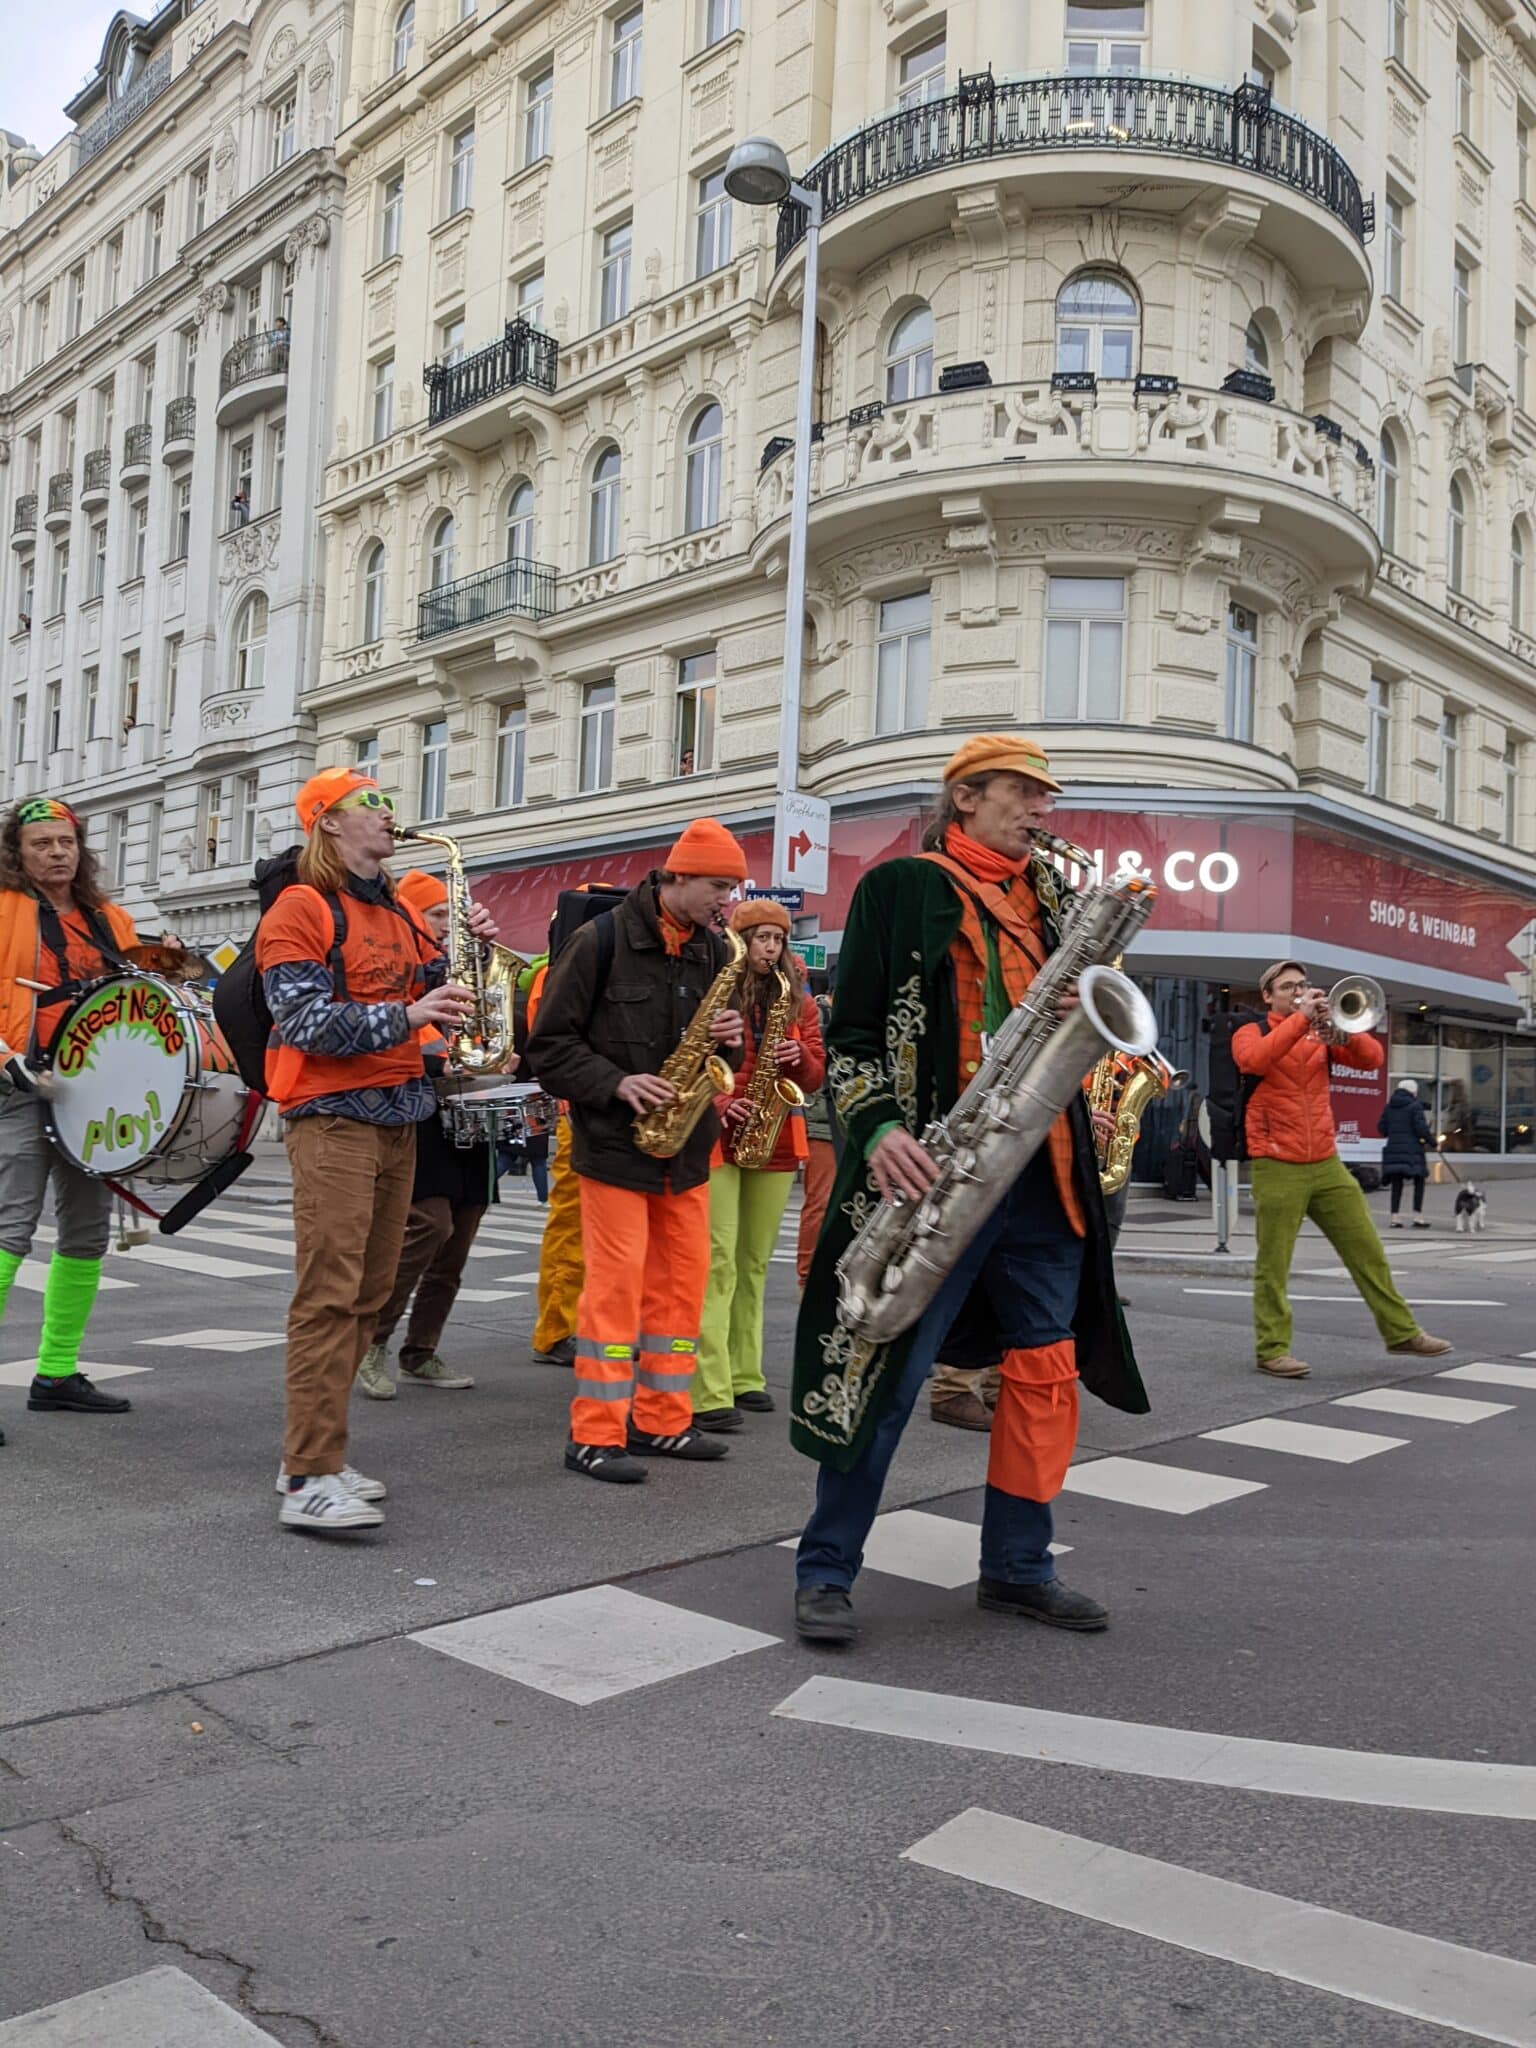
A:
x: 51, y: 46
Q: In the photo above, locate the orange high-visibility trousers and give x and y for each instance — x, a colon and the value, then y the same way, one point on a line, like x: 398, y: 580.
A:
x: 647, y: 1264
x: 820, y: 1172
x: 1034, y: 1425
x: 560, y: 1271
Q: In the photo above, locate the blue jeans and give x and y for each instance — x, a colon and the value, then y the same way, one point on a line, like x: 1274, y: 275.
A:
x: 1028, y: 1261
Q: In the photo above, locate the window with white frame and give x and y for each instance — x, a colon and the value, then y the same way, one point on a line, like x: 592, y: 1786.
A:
x: 373, y: 594
x: 920, y: 74
x: 511, y: 755
x: 210, y: 822
x: 53, y: 718
x: 27, y: 605
x: 520, y: 522
x: 1388, y: 477
x: 60, y: 592
x: 461, y: 169
x: 1242, y: 672
x: 613, y: 273
x: 1466, y: 90
x: 434, y: 768
x: 1395, y: 269
x: 90, y: 693
x: 624, y: 57
x: 603, y: 507
x: 440, y: 555
x: 242, y: 474
x: 189, y: 362
x: 106, y: 414
x: 1461, y: 310
x: 130, y: 697
x: 197, y: 201
x: 1084, y: 647
x: 706, y: 453
x: 1450, y: 765
x: 1378, y: 738
x: 365, y: 754
x: 1397, y: 30
x: 466, y: 10
x: 529, y: 300
x: 696, y: 687
x: 1517, y: 568
x: 19, y: 728
x: 146, y: 368
x: 450, y: 339
x: 595, y: 764
x: 284, y: 120
x: 138, y: 533
x: 154, y: 830
x: 1097, y: 324
x: 1523, y: 157
x: 112, y: 274
x: 721, y: 18
x: 252, y: 307
x: 712, y: 225
x: 277, y: 459
x: 1456, y: 536
x: 1255, y: 349
x: 181, y: 520
x: 901, y: 663
x: 242, y: 832
x: 404, y: 36
x: 391, y: 214
x: 383, y: 398
x: 250, y: 665
x: 115, y: 849
x: 1522, y: 359
x: 172, y: 677
x: 1105, y: 35
x: 539, y: 116
x: 40, y: 313
x: 909, y: 356
x: 74, y: 304
x: 67, y: 439
x: 154, y: 239
x: 1511, y: 790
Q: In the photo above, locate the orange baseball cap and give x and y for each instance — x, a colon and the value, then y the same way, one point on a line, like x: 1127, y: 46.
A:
x: 996, y: 753
x: 421, y: 890
x: 706, y: 848
x: 324, y: 791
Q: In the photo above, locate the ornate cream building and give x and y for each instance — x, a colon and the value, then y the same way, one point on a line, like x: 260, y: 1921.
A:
x: 167, y: 273
x: 1173, y: 403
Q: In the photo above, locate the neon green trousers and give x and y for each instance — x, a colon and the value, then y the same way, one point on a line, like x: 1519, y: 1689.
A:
x: 745, y: 1210
x: 1284, y: 1197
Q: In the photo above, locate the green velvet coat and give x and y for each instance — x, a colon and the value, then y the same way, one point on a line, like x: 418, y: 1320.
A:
x: 894, y: 1056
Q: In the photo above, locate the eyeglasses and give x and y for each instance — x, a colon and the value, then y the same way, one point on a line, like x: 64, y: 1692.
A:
x: 367, y: 800
x: 1286, y: 988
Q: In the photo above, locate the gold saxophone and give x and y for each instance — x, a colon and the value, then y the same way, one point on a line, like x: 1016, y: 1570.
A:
x: 1122, y: 1086
x: 770, y: 1095
x: 483, y: 1044
x: 694, y: 1068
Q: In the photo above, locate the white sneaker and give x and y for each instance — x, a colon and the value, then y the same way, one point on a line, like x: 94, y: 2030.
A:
x: 354, y: 1481
x: 326, y: 1506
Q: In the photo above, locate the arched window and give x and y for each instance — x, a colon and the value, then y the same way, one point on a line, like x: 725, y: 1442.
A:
x: 251, y: 643
x: 373, y: 594
x: 441, y: 560
x: 1255, y: 349
x: 909, y: 356
x: 603, y: 507
x: 1456, y: 536
x: 520, y: 523
x: 1097, y: 324
x: 405, y: 35
x: 1517, y: 569
x: 1388, y: 474
x: 706, y: 443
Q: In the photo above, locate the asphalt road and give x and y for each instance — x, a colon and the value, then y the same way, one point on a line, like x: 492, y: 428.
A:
x: 613, y: 1801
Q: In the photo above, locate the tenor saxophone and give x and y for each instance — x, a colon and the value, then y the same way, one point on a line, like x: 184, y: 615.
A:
x: 694, y: 1068
x: 483, y: 1043
x: 770, y: 1095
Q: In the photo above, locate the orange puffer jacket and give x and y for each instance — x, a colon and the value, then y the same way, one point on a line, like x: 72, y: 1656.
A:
x: 1289, y: 1114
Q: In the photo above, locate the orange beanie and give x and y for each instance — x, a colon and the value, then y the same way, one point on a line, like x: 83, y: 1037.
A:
x: 421, y: 890
x: 706, y: 848
x: 760, y: 910
x: 324, y: 791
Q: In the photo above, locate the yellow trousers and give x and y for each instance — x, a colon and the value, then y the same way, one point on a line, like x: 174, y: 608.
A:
x: 561, y: 1267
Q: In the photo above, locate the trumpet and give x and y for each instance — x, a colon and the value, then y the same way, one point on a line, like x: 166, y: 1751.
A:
x: 1356, y: 1003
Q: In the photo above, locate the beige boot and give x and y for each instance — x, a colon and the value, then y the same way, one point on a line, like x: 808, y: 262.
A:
x: 1422, y: 1345
x: 1284, y: 1368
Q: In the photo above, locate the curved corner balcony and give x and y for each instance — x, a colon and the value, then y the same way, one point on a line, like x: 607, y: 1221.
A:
x: 24, y: 522
x: 1172, y: 457
x: 525, y: 357
x: 96, y: 479
x: 180, y: 423
x: 61, y: 502
x: 1078, y: 141
x: 516, y: 588
x: 252, y: 375
x: 138, y: 449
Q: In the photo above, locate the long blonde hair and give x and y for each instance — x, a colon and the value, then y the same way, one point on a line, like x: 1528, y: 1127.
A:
x: 322, y: 867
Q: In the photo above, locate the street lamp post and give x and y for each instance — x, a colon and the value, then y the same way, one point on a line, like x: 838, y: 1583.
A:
x: 758, y: 174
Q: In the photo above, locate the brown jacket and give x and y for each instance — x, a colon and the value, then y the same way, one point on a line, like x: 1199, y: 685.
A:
x: 586, y: 1039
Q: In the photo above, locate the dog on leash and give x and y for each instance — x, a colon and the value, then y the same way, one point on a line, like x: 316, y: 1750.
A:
x: 1471, y: 1208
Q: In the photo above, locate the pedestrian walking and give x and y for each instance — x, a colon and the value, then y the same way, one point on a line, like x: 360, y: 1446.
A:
x: 1297, y: 1171
x: 1405, y: 1156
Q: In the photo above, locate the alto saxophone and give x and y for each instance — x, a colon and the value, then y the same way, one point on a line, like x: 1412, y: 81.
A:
x: 1123, y: 1085
x: 770, y: 1095
x: 694, y: 1068
x: 483, y: 1043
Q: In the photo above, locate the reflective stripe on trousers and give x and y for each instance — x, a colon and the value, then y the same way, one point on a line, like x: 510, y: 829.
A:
x: 647, y: 1259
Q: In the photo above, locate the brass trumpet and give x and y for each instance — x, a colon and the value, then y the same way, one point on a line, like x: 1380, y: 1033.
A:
x: 1356, y: 1003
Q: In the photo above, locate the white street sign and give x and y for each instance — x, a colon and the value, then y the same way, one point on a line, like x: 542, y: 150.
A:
x: 802, y: 827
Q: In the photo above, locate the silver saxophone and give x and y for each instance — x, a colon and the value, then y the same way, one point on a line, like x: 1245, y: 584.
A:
x: 1028, y: 1074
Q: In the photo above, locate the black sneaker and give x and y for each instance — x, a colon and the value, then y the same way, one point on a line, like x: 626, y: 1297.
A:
x: 824, y: 1614
x: 563, y: 1352
x: 1053, y: 1603
x: 76, y: 1394
x: 719, y: 1420
x: 689, y: 1444
x: 758, y: 1403
x: 605, y: 1461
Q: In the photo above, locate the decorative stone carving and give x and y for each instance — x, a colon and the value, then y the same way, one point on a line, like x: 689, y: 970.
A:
x: 694, y: 552
x: 249, y: 550
x: 901, y: 433
x: 712, y: 104
x: 311, y: 234
x: 226, y: 160
x: 281, y: 50
x: 227, y: 712
x: 381, y: 313
x: 615, y: 168
x: 204, y: 29
x: 212, y: 300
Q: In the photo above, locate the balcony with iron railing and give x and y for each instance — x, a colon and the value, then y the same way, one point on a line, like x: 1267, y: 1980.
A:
x: 1069, y: 137
x: 180, y: 422
x: 515, y: 588
x: 253, y: 373
x: 24, y: 521
x: 138, y: 449
x: 61, y: 501
x: 96, y: 479
x: 524, y: 357
x: 124, y: 110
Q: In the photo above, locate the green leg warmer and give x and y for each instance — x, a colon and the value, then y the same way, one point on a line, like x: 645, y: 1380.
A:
x: 68, y: 1293
x: 10, y: 1266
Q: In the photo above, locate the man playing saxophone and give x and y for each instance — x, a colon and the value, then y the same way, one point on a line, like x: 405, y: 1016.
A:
x: 762, y: 1143
x: 632, y: 991
x: 938, y: 950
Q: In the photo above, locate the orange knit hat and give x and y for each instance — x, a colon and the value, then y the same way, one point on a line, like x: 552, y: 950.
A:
x: 324, y: 791
x: 993, y: 753
x: 760, y: 910
x: 421, y: 890
x: 706, y: 848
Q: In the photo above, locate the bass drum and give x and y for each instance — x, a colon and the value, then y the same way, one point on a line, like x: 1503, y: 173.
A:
x: 143, y: 1085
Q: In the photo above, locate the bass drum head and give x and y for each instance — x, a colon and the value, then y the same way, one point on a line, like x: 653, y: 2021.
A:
x: 123, y: 1056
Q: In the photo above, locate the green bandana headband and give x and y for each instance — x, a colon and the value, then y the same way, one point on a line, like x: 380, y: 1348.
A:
x: 43, y: 810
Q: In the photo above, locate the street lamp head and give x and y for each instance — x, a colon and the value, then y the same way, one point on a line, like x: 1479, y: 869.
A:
x: 757, y: 172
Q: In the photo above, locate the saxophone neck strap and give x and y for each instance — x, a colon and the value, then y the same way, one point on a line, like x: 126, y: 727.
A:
x: 994, y: 907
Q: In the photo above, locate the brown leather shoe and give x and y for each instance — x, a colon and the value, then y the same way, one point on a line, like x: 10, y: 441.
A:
x: 1422, y: 1345
x: 1285, y: 1368
x: 961, y: 1411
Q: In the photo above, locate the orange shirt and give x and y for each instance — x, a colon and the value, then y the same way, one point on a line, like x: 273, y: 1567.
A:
x: 82, y: 962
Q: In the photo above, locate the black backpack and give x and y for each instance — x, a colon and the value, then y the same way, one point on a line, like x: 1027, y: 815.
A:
x: 239, y: 1002
x: 1228, y: 1094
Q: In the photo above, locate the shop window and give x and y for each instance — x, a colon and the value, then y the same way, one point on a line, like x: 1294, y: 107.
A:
x: 1471, y: 1109
x: 1084, y: 647
x: 1097, y: 324
x: 1519, y: 1096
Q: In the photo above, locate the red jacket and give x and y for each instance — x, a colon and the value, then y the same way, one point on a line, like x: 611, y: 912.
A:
x: 1289, y: 1114
x: 808, y: 1076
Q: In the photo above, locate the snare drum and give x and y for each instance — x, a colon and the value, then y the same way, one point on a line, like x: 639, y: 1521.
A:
x: 143, y: 1083
x: 509, y: 1113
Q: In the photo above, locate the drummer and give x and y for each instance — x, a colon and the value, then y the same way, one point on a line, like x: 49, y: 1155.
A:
x: 453, y: 1188
x: 58, y: 929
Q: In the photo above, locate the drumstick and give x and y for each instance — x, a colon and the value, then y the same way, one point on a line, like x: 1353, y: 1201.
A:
x: 41, y: 986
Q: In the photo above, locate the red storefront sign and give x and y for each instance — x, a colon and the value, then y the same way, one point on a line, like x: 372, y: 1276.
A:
x: 1358, y: 1098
